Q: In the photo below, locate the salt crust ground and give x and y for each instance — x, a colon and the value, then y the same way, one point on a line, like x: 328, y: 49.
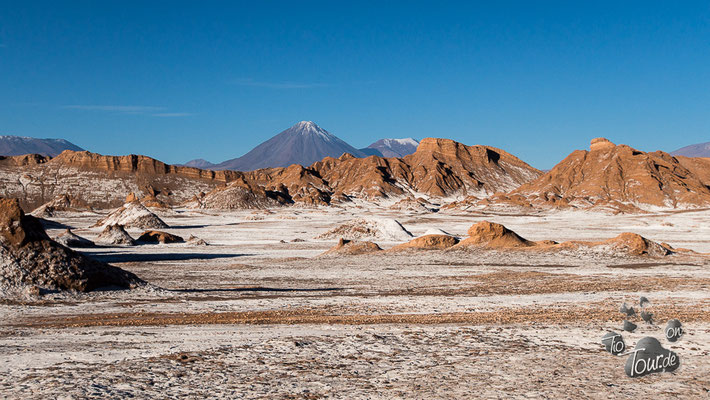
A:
x: 525, y: 325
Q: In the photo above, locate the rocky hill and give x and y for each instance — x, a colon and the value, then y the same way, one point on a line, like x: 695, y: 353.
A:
x: 102, y: 181
x: 28, y: 257
x: 620, y: 176
x: 439, y: 168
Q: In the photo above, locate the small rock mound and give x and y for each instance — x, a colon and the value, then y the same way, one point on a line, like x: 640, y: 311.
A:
x: 638, y: 245
x: 353, y: 247
x: 414, y: 205
x: 149, y: 200
x: 437, y: 231
x: 153, y: 202
x: 69, y: 239
x: 133, y: 215
x: 115, y: 234
x: 360, y: 228
x: 28, y: 257
x: 63, y: 202
x: 131, y: 197
x: 195, y: 241
x: 492, y: 235
x: 159, y: 237
x: 240, y: 194
x: 428, y: 242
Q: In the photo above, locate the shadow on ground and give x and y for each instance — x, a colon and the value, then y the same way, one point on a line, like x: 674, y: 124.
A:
x: 118, y: 257
x: 256, y: 289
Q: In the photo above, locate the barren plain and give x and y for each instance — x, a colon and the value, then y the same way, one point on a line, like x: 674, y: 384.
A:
x: 260, y: 313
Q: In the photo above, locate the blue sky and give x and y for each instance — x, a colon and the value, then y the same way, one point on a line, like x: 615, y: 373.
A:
x: 182, y: 80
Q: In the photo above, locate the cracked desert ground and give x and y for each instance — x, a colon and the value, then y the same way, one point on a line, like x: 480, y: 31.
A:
x: 258, y: 315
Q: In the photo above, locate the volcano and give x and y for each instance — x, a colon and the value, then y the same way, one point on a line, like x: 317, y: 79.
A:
x: 303, y: 143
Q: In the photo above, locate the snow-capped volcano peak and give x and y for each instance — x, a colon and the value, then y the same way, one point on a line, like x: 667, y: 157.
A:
x: 310, y: 128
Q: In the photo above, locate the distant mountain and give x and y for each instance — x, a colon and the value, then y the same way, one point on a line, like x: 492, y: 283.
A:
x: 371, y: 152
x: 18, y: 145
x: 199, y: 163
x: 694, y: 150
x: 393, y: 147
x: 303, y: 143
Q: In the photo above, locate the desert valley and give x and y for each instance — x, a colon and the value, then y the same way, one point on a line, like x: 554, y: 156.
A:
x: 455, y: 271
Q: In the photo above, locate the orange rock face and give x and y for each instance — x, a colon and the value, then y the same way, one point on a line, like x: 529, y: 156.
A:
x: 353, y: 247
x: 102, y: 181
x: 159, y: 237
x: 620, y: 176
x: 439, y: 167
x: 489, y: 235
x: 428, y: 242
x: 492, y: 235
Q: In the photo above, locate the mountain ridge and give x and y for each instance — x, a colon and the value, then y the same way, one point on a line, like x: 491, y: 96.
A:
x: 20, y: 145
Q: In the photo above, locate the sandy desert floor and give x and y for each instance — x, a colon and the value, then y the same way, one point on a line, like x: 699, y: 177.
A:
x: 259, y: 314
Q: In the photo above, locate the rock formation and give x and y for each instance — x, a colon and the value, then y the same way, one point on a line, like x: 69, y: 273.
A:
x: 360, y: 228
x: 492, y: 235
x: 159, y: 237
x: 61, y: 203
x: 133, y: 215
x: 29, y: 257
x: 489, y: 235
x: 428, y: 242
x: 102, y: 181
x: 115, y: 235
x: 617, y: 176
x: 353, y: 247
x: 240, y: 194
x: 69, y: 239
x: 439, y: 167
x: 195, y: 241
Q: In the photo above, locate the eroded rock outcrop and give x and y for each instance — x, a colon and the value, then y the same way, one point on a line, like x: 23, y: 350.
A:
x: 70, y: 239
x: 115, y: 235
x: 428, y: 242
x: 619, y: 177
x: 362, y: 228
x: 489, y: 235
x: 159, y: 237
x: 29, y: 257
x: 61, y: 203
x: 492, y: 235
x: 133, y: 215
x: 353, y: 247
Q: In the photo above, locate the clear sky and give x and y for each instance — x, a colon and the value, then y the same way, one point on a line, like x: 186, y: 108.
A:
x: 207, y: 79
